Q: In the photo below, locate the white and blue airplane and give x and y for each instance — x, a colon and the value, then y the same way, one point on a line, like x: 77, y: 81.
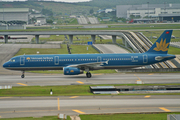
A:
x: 74, y: 64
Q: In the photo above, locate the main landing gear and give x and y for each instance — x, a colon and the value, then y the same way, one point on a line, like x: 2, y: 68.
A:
x: 88, y: 75
x: 22, y: 76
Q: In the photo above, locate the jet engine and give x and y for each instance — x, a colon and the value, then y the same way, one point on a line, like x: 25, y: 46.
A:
x: 72, y: 71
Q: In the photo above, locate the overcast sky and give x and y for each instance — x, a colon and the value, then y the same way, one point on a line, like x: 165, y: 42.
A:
x: 72, y: 0
x: 55, y: 0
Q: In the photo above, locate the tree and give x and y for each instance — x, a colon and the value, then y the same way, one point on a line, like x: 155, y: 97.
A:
x: 47, y: 12
x: 91, y: 11
x: 49, y: 21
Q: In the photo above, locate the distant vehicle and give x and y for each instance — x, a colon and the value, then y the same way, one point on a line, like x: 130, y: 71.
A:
x: 1, y: 37
x: 131, y: 21
x: 154, y: 37
x: 38, y: 23
x: 172, y: 36
x: 74, y: 64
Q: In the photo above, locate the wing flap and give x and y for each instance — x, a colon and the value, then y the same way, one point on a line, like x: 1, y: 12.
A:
x: 89, y: 65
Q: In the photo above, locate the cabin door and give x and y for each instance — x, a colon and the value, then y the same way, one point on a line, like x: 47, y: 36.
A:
x: 145, y: 59
x: 99, y: 59
x: 22, y: 60
x: 56, y: 60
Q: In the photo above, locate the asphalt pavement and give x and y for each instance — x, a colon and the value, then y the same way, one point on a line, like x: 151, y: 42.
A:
x: 73, y: 105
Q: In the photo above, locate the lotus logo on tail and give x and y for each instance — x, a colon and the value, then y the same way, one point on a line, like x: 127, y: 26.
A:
x: 162, y: 46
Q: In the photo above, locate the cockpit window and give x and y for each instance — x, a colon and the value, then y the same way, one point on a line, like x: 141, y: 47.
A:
x: 12, y: 60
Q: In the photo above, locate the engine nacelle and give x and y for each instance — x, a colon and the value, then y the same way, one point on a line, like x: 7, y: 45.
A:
x: 72, y: 71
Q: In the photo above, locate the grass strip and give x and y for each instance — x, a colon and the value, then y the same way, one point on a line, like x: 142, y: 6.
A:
x: 67, y: 90
x: 128, y: 116
x: 140, y: 116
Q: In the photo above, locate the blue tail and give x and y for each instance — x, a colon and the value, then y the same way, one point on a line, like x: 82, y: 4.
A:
x: 161, y: 46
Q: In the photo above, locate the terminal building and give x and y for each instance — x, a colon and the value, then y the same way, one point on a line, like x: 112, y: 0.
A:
x: 162, y: 12
x: 14, y: 14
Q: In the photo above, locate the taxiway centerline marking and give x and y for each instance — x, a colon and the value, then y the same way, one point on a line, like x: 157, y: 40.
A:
x: 22, y: 84
x: 74, y: 96
x: 147, y: 96
x: 80, y: 82
x: 58, y: 104
x: 150, y: 74
x: 79, y: 111
x: 166, y: 110
x: 137, y: 77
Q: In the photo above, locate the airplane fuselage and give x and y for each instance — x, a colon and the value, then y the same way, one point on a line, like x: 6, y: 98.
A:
x: 58, y: 62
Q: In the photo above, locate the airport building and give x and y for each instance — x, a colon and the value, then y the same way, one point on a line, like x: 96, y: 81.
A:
x: 14, y: 14
x: 162, y: 12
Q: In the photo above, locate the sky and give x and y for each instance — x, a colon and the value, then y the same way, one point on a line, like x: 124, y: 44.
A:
x: 71, y: 1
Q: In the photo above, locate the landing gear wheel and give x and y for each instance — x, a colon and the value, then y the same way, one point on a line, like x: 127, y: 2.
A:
x: 22, y: 76
x: 88, y: 75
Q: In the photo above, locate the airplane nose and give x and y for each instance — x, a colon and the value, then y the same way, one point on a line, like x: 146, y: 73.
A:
x: 5, y: 65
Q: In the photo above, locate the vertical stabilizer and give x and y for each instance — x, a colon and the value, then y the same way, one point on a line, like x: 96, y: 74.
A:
x: 161, y: 46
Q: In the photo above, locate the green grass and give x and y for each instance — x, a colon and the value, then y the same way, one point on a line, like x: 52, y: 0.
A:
x: 51, y: 38
x: 76, y: 49
x: 173, y: 50
x: 150, y: 116
x: 73, y: 21
x: 148, y: 34
x: 67, y: 90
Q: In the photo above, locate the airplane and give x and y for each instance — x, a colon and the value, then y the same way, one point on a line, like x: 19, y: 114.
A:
x: 75, y: 64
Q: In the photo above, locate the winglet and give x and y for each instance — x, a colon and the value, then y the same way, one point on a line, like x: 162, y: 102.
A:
x: 161, y: 46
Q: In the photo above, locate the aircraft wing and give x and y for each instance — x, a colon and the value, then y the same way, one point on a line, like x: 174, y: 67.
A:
x: 89, y: 65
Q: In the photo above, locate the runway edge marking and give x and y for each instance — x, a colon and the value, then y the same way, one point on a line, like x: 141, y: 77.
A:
x: 22, y: 84
x: 79, y: 111
x: 162, y: 108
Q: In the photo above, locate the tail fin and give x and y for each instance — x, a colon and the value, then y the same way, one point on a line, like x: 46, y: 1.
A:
x: 161, y: 46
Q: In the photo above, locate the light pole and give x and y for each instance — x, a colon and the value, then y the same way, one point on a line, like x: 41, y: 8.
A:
x: 3, y: 12
x: 164, y: 7
x: 148, y: 10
